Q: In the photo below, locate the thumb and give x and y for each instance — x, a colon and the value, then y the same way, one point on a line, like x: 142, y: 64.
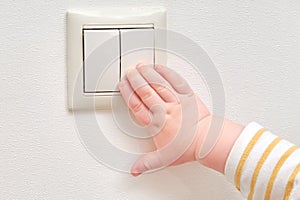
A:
x: 147, y: 162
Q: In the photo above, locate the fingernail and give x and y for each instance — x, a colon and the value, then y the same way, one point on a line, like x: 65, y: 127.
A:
x: 138, y: 169
x: 139, y: 65
x: 129, y: 69
x: 158, y: 67
x: 135, y: 174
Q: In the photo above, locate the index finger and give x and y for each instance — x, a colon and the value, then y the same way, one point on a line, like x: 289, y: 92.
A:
x: 158, y: 83
x: 143, y: 89
x: 176, y: 81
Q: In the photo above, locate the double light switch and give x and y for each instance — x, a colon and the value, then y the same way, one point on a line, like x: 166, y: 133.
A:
x: 109, y: 50
x: 102, y: 43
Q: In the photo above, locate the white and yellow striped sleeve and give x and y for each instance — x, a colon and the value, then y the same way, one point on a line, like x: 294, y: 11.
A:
x: 263, y: 166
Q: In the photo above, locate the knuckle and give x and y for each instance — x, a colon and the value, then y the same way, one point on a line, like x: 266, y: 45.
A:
x: 180, y: 85
x: 135, y: 106
x: 182, y: 88
x: 148, y: 165
x: 143, y: 118
x: 145, y: 93
x: 161, y: 89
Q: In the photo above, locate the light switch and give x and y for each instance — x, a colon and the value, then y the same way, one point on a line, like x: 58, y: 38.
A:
x: 101, y: 60
x: 96, y: 40
x: 137, y: 45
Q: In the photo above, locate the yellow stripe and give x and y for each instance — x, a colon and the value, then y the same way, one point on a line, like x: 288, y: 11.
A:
x: 259, y: 165
x: 290, y: 184
x: 276, y: 170
x: 246, y: 153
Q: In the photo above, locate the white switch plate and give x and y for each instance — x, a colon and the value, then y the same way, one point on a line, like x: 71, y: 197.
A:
x: 111, y: 19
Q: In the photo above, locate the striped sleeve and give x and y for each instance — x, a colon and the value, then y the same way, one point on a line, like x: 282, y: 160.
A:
x: 263, y: 166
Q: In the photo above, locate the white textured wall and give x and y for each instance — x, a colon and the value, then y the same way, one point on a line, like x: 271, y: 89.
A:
x: 254, y: 44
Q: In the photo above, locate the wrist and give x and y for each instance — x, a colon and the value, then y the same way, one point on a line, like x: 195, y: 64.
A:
x: 228, y: 134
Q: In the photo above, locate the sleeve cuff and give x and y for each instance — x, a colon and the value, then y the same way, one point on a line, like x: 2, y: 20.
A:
x: 238, y: 148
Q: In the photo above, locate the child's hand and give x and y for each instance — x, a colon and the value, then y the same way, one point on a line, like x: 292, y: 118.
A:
x: 162, y: 100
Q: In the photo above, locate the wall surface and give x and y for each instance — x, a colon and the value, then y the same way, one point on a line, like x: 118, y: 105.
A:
x: 255, y: 46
